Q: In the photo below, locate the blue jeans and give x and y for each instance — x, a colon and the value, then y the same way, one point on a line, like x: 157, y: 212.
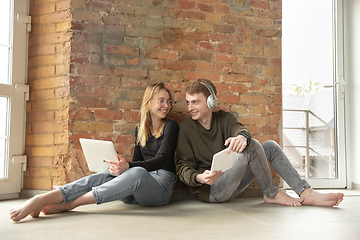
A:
x: 253, y: 163
x: 135, y: 185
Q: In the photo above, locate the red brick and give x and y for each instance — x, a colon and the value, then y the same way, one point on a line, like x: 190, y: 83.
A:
x: 224, y: 47
x: 183, y: 45
x: 133, y: 62
x: 237, y: 78
x: 107, y: 115
x: 226, y: 58
x: 214, y: 77
x: 179, y: 65
x: 238, y: 88
x: 276, y: 62
x: 277, y: 100
x: 189, y: 14
x: 221, y: 87
x: 173, y: 86
x: 125, y: 139
x: 254, y: 99
x: 161, y: 54
x: 88, y: 80
x: 226, y: 29
x: 255, y: 88
x: 55, y: 17
x: 40, y: 116
x: 245, y: 30
x: 205, y: 66
x: 255, y: 120
x: 196, y: 36
x: 80, y: 114
x: 205, y: 7
x: 85, y: 91
x: 254, y: 129
x: 275, y: 5
x: 196, y: 55
x: 268, y: 130
x: 222, y: 8
x: 206, y: 45
x: 259, y: 4
x: 225, y: 38
x: 223, y: 67
x: 275, y: 109
x: 123, y: 50
x: 132, y: 116
x: 91, y: 69
x: 131, y: 72
x: 184, y: 4
x: 42, y: 9
x: 224, y: 99
x: 257, y: 110
x: 272, y: 14
x: 97, y: 7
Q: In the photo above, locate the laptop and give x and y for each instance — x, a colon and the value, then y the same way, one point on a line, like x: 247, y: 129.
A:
x: 96, y: 151
x: 223, y: 161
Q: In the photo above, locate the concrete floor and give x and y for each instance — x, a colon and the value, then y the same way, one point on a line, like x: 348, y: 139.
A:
x: 243, y: 218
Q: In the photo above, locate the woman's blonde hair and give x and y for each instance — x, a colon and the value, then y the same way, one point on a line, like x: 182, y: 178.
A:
x: 145, y: 125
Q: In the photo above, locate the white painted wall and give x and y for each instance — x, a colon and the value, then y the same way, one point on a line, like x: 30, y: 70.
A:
x: 352, y: 99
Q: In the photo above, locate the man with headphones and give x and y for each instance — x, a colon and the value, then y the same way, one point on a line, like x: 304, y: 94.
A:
x: 208, y: 132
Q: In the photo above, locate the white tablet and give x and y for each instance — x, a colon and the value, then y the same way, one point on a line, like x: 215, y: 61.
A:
x: 96, y: 151
x: 223, y: 161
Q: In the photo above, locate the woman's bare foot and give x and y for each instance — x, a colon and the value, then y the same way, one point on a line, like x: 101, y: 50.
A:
x: 34, y: 205
x: 31, y: 207
x: 314, y: 198
x: 57, y: 208
x: 283, y: 199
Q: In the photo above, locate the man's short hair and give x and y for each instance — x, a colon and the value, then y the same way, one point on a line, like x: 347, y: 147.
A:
x: 197, y: 86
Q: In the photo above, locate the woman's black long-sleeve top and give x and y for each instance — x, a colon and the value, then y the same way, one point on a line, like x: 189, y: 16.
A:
x: 159, y: 152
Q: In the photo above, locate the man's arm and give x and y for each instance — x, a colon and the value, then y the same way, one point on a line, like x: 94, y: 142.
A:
x: 237, y: 144
x: 239, y: 137
x: 186, y: 166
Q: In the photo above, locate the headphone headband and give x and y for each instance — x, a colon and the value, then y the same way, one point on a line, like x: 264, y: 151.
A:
x: 211, y: 100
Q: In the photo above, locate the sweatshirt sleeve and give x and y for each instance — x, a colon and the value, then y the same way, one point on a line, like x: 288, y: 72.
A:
x: 186, y: 166
x: 235, y: 128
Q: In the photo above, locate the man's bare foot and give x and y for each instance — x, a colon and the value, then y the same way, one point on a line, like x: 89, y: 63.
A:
x: 31, y: 207
x: 57, y: 208
x: 283, y: 199
x: 314, y: 198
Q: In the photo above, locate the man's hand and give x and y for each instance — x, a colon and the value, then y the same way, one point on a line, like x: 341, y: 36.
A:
x: 118, y: 167
x: 237, y: 144
x: 208, y: 177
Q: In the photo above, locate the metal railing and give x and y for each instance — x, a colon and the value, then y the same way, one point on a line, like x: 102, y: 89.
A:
x: 307, y: 147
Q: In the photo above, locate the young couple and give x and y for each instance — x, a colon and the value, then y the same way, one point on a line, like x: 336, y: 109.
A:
x: 149, y: 179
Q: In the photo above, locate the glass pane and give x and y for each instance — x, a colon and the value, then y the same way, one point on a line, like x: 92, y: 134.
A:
x: 4, y: 65
x: 307, y: 52
x: 4, y: 110
x: 5, y: 22
x: 5, y: 44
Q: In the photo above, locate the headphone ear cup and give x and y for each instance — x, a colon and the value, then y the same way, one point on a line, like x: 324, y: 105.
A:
x: 211, y: 102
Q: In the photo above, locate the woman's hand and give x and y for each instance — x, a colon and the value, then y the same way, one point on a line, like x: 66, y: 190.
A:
x: 237, y: 144
x: 119, y: 166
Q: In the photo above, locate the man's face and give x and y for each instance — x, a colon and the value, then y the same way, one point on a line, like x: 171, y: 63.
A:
x: 197, y: 106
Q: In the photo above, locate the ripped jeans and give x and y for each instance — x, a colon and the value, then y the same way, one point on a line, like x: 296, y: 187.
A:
x: 135, y: 185
x: 253, y: 163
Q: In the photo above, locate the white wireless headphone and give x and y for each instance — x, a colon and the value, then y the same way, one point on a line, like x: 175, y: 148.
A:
x: 211, y: 101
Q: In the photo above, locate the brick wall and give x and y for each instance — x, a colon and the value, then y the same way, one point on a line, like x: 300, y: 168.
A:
x: 89, y: 62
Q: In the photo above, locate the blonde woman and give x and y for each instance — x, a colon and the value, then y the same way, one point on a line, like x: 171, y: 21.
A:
x: 147, y: 180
